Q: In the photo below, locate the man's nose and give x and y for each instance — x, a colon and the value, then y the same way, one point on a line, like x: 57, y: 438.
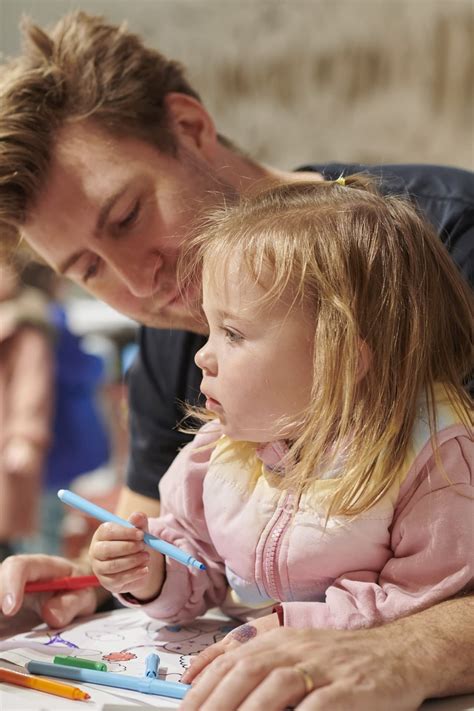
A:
x: 141, y: 279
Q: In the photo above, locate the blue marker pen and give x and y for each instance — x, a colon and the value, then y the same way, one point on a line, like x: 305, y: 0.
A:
x: 145, y: 685
x: 152, y: 663
x: 77, y: 502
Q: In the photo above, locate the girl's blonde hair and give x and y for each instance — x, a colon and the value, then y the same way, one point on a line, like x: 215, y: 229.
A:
x: 370, y: 270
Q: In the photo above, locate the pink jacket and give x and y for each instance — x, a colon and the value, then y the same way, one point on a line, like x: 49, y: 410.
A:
x: 411, y: 550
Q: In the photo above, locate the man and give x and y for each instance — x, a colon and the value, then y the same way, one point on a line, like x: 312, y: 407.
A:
x: 108, y: 161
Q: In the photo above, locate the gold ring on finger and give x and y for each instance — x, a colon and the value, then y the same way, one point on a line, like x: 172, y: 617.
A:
x: 307, y: 678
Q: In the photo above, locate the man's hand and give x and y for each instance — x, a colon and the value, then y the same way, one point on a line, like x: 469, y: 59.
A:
x: 350, y: 670
x: 56, y: 609
x: 233, y: 640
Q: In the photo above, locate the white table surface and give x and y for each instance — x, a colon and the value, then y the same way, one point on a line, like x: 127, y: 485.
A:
x: 19, y: 699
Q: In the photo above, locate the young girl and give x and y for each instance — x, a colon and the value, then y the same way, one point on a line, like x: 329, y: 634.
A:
x: 335, y: 482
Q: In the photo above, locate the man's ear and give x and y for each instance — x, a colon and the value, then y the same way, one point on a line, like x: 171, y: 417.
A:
x: 192, y: 125
x: 365, y: 360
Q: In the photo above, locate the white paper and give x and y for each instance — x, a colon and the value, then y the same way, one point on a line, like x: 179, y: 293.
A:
x: 122, y: 639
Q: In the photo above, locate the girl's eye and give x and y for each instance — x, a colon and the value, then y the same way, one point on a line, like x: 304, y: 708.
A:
x: 232, y: 336
x: 91, y: 271
x: 130, y: 218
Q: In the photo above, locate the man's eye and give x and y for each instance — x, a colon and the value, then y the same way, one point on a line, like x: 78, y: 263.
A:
x: 91, y: 271
x: 130, y: 218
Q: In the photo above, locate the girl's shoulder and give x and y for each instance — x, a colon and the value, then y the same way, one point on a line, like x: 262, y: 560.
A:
x: 442, y: 458
x: 447, y: 475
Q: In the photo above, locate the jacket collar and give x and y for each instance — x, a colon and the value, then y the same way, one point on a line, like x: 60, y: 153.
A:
x: 272, y: 453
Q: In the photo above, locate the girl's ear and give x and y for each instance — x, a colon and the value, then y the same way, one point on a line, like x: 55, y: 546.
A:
x: 365, y: 360
x: 192, y: 125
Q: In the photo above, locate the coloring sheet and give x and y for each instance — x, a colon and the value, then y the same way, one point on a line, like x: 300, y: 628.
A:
x: 122, y: 639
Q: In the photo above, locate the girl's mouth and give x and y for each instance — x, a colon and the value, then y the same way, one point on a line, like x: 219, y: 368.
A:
x: 212, y: 404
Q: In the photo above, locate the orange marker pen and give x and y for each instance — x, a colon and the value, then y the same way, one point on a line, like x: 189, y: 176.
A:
x: 47, y: 685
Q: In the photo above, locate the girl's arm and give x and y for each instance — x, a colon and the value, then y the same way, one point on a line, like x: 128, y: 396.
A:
x: 187, y: 592
x: 433, y: 554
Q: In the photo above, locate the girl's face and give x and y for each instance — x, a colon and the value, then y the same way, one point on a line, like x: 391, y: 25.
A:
x: 258, y: 360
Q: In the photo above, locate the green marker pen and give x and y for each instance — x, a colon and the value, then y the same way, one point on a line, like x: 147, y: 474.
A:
x: 79, y: 662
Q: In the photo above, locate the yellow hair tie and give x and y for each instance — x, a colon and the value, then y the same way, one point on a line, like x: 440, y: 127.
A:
x: 341, y: 181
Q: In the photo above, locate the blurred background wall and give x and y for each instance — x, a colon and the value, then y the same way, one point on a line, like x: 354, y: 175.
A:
x: 298, y: 80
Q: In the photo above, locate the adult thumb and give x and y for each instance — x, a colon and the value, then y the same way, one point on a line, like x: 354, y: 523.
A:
x: 60, y: 609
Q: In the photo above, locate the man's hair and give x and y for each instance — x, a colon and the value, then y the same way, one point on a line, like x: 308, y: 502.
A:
x: 366, y: 268
x: 83, y: 69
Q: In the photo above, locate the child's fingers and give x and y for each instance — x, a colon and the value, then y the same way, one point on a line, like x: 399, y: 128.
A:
x: 124, y: 582
x: 118, y: 554
x: 110, y: 550
x: 140, y: 520
x: 116, y: 532
x: 120, y: 564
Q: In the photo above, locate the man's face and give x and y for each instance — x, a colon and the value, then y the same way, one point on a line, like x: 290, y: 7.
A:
x: 258, y: 361
x: 114, y: 215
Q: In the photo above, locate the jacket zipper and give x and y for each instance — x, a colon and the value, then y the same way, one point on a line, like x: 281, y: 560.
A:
x: 271, y: 556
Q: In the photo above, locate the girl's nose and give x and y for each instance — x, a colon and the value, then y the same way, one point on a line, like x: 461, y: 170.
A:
x: 205, y: 359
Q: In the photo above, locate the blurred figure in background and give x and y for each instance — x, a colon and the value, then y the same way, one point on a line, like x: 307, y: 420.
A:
x: 80, y: 441
x: 26, y: 385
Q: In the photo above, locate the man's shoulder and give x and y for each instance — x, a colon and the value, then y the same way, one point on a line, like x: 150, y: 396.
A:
x: 166, y: 360
x: 418, y: 180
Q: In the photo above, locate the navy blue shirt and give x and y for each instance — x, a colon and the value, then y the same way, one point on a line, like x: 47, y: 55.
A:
x: 164, y: 374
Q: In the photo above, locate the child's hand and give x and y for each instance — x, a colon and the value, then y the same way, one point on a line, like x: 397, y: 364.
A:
x: 123, y: 563
x: 234, y: 639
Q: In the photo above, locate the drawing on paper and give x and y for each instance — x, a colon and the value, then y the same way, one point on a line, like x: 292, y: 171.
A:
x: 124, y: 638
